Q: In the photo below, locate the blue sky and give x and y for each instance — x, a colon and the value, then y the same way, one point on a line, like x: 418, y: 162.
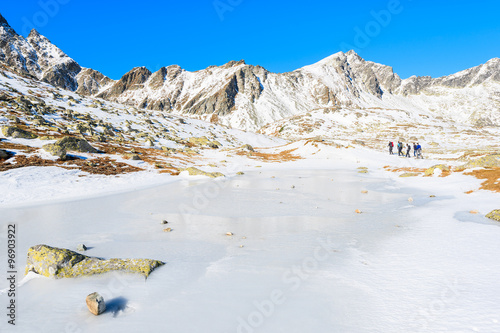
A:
x: 416, y: 37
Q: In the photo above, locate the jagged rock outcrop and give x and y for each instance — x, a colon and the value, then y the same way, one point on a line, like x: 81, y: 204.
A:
x: 36, y: 56
x: 90, y: 82
x: 56, y: 67
x: 16, y: 52
x: 133, y: 80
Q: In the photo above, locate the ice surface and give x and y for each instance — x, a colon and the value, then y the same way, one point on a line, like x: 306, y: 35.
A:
x: 308, y: 262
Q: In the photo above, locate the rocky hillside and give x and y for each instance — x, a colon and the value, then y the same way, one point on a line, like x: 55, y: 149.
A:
x: 250, y: 97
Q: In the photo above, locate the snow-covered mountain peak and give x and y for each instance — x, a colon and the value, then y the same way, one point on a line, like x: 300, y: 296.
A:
x: 332, y: 60
x: 6, y: 31
x: 47, y: 51
x: 3, y: 22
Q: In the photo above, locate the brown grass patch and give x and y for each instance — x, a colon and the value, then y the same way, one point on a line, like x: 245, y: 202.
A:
x: 154, y: 157
x: 99, y: 166
x: 9, y: 145
x: 491, y: 176
x: 284, y: 156
x: 405, y: 169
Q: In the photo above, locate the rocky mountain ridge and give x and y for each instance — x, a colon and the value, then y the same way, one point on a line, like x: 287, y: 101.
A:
x: 250, y: 97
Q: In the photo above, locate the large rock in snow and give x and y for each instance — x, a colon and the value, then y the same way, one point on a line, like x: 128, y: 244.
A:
x: 197, y: 172
x: 16, y: 132
x: 492, y: 160
x: 63, y: 263
x: 69, y: 143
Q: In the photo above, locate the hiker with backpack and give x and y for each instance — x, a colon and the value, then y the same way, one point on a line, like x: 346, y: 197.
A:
x: 408, y: 148
x: 419, y: 151
x: 391, y: 146
x: 414, y: 149
x: 400, y: 148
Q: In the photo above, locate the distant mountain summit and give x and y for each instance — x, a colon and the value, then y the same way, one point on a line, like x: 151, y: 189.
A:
x: 250, y: 97
x: 37, y: 57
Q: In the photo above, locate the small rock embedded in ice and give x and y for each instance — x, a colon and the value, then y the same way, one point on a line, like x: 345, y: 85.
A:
x: 229, y: 233
x: 241, y: 245
x: 432, y: 196
x: 364, y: 191
x: 293, y: 186
x: 357, y: 211
x: 167, y: 230
x: 95, y: 303
x: 164, y: 222
x: 81, y: 247
x: 474, y: 212
x: 410, y: 199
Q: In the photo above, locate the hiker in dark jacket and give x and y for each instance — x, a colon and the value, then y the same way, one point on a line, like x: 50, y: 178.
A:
x: 400, y: 148
x: 414, y: 149
x: 408, y: 148
x: 419, y: 151
x: 391, y: 146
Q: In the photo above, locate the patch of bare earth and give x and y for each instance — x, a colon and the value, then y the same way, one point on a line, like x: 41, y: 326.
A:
x: 404, y: 169
x: 284, y: 156
x: 491, y: 177
x: 158, y: 158
x: 9, y: 145
x: 99, y: 166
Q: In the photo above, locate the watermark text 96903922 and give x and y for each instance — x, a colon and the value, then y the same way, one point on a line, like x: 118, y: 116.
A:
x: 11, y: 273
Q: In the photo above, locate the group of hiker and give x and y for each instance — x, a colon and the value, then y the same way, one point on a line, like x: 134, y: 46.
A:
x: 417, y: 149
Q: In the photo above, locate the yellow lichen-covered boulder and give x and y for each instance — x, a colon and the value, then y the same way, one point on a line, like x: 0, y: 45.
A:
x: 247, y: 147
x: 16, y: 132
x: 203, y: 141
x: 70, y: 143
x: 431, y: 170
x: 494, y: 215
x: 492, y: 160
x: 63, y: 263
x: 409, y: 174
x: 197, y: 172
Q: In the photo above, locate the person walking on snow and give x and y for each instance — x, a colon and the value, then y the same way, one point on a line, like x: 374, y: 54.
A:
x: 419, y: 151
x: 391, y: 146
x: 408, y: 148
x: 414, y: 149
x: 400, y: 148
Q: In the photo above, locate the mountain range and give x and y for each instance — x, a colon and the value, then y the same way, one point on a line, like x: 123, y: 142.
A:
x: 250, y: 97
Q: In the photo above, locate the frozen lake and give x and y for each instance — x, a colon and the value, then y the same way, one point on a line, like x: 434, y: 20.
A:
x: 299, y: 260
